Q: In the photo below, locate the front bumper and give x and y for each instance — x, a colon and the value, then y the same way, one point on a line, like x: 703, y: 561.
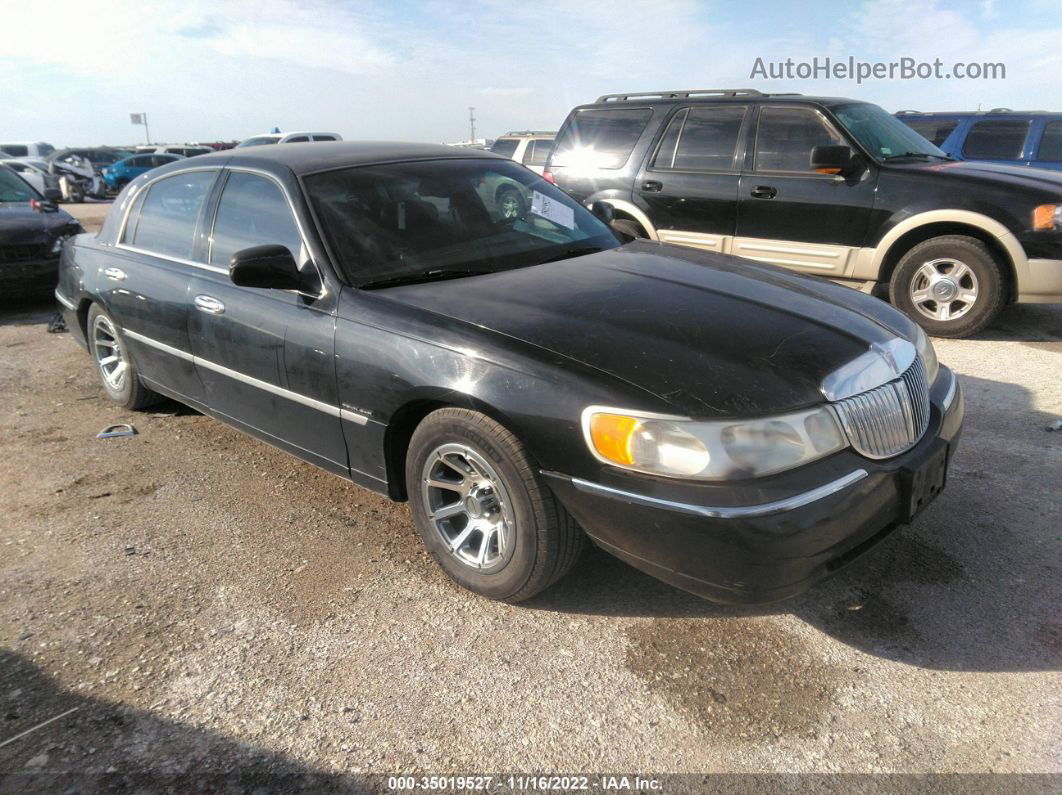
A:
x: 775, y: 541
x: 28, y: 277
x: 1043, y: 285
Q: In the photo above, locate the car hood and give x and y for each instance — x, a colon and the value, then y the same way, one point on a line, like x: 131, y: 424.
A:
x: 710, y: 334
x: 19, y: 223
x: 998, y: 173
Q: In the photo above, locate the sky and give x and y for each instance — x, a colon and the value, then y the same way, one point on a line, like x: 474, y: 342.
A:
x: 219, y: 70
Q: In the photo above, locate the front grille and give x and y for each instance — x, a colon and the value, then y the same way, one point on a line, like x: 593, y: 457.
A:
x: 891, y: 418
x: 21, y: 252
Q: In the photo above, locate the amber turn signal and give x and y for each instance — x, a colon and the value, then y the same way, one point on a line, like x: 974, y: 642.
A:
x: 1045, y: 217
x: 612, y: 435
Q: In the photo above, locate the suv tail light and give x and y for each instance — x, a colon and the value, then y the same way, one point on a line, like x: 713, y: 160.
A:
x: 548, y: 176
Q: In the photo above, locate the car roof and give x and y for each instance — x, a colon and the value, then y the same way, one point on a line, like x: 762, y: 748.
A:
x: 699, y: 96
x: 957, y: 114
x: 307, y: 158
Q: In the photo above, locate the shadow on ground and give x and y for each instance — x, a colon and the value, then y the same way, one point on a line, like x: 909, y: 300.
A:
x: 110, y: 747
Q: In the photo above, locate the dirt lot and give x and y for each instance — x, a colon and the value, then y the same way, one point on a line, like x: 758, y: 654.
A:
x: 209, y: 605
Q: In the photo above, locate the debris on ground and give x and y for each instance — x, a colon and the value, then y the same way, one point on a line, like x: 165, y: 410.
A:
x: 117, y: 431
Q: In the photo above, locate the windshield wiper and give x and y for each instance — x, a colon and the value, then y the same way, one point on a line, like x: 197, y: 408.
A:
x: 434, y: 275
x: 568, y: 253
x: 917, y: 154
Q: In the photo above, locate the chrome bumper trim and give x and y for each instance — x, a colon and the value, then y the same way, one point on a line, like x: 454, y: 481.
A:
x: 953, y: 388
x: 62, y: 299
x: 728, y: 512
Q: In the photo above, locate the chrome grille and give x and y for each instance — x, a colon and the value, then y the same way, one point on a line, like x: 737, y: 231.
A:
x: 891, y: 418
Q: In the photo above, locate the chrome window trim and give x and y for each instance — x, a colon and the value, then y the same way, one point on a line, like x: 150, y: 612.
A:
x: 62, y: 299
x: 727, y: 512
x: 313, y: 403
x: 132, y: 198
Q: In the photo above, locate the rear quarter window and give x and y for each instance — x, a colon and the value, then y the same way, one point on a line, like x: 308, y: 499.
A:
x: 506, y: 147
x: 1051, y: 144
x: 600, y: 138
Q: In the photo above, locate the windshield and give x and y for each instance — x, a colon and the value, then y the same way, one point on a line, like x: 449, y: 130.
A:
x: 15, y: 189
x: 259, y: 141
x: 882, y: 134
x: 405, y: 222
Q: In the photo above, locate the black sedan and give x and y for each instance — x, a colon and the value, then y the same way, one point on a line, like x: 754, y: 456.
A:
x: 32, y: 233
x: 445, y: 327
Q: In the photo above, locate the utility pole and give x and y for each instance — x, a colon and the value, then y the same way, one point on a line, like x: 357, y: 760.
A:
x: 472, y: 124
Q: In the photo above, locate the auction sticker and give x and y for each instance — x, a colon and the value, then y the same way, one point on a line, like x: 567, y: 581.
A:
x: 552, y: 210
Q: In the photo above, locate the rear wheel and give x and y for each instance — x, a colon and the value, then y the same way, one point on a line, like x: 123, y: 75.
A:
x: 114, y: 366
x: 482, y: 509
x: 950, y: 285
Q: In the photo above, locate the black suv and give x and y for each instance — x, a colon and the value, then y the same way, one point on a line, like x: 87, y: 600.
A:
x: 832, y: 187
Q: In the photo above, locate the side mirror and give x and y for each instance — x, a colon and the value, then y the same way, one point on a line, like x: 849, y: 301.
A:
x: 53, y: 195
x: 603, y: 211
x: 831, y: 159
x: 267, y: 267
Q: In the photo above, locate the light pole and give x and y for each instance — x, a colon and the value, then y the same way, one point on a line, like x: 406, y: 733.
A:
x: 472, y: 124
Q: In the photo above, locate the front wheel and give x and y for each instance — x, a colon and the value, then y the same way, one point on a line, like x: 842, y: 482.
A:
x: 511, y: 204
x: 115, y: 367
x: 482, y: 509
x: 950, y: 285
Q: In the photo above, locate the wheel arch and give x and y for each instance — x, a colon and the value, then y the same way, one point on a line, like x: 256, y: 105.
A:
x: 405, y: 419
x: 625, y: 209
x: 918, y: 228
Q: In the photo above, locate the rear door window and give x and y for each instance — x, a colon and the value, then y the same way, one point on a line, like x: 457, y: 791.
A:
x: 169, y: 213
x: 1051, y: 144
x: 701, y: 139
x: 601, y: 138
x: 786, y: 136
x: 252, y: 212
x: 298, y: 139
x: 996, y: 139
x: 324, y: 137
x: 537, y: 152
x: 506, y: 147
x: 935, y: 131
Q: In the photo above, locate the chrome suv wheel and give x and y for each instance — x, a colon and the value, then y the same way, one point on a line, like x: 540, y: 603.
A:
x: 944, y: 289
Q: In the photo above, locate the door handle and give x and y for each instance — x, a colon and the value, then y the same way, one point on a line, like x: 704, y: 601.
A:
x: 115, y: 274
x: 764, y: 192
x: 209, y: 304
x: 652, y: 186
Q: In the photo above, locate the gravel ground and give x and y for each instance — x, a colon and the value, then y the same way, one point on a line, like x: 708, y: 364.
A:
x: 211, y: 606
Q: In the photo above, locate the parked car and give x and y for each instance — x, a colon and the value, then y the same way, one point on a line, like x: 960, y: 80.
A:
x: 32, y: 233
x: 832, y: 187
x: 289, y: 138
x: 98, y: 156
x: 35, y: 172
x: 728, y: 426
x: 125, y: 171
x: 529, y: 147
x: 30, y: 149
x: 185, y: 150
x: 1012, y: 137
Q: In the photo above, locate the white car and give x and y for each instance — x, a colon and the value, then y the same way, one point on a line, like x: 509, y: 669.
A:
x: 530, y: 147
x: 184, y: 150
x: 35, y: 172
x: 23, y: 150
x: 289, y: 138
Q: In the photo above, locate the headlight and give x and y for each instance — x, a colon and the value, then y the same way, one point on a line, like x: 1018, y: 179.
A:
x: 1047, y: 217
x: 678, y: 447
x: 928, y: 354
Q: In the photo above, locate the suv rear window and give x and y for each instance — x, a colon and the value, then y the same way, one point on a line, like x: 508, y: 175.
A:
x: 933, y: 130
x: 996, y: 139
x: 600, y: 138
x: 505, y: 147
x: 1051, y: 143
x: 701, y: 139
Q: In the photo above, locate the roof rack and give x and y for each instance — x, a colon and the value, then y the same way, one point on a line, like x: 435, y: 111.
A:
x: 530, y: 132
x: 686, y: 94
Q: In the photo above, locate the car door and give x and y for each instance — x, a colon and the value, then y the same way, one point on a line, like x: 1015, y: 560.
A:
x: 790, y: 215
x: 690, y: 184
x: 266, y: 357
x: 145, y: 282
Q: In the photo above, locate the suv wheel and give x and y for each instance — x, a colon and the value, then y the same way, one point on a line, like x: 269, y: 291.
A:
x: 482, y: 509
x: 951, y: 285
x: 510, y: 204
x: 115, y: 367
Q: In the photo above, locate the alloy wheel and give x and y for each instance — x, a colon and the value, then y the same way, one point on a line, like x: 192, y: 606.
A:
x: 944, y: 289
x: 108, y: 353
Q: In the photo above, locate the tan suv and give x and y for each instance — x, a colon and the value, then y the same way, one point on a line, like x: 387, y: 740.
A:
x: 530, y: 147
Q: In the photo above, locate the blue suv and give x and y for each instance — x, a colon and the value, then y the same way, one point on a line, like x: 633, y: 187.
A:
x: 117, y: 176
x: 1017, y: 138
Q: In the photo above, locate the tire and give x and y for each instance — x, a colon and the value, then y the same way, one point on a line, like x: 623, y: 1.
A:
x: 631, y: 230
x: 510, y: 203
x: 966, y: 269
x: 128, y: 391
x: 530, y: 540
